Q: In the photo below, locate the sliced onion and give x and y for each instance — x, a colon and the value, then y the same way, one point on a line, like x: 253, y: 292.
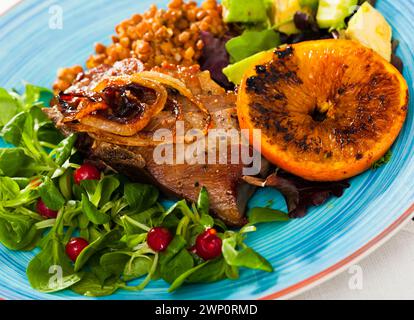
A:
x: 87, y: 107
x: 141, y: 139
x: 112, y: 130
x: 136, y: 125
x: 177, y: 85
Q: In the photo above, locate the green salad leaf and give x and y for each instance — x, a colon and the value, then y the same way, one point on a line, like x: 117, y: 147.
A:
x: 114, y: 262
x: 51, y: 270
x: 13, y: 130
x: 51, y: 195
x: 13, y: 162
x: 384, y: 160
x: 96, y: 246
x: 64, y: 149
x: 176, y: 260
x: 179, y: 281
x: 137, y: 267
x: 94, y: 215
x: 9, y: 189
x: 112, y: 214
x: 214, y: 271
x: 261, y: 215
x: 18, y: 230
x: 91, y: 286
x: 9, y: 107
x: 140, y: 196
x: 246, y: 257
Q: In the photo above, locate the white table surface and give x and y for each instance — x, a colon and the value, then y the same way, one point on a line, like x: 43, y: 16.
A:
x: 5, y: 4
x: 388, y: 273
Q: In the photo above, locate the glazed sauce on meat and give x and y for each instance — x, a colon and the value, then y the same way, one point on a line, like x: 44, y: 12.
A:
x: 124, y: 103
x: 127, y: 103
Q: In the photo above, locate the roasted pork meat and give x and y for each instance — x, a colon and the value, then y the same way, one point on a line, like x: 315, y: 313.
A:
x: 118, y: 109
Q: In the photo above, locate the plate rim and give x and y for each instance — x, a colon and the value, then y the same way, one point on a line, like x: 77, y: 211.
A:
x: 12, y: 7
x: 330, y: 272
x: 339, y: 267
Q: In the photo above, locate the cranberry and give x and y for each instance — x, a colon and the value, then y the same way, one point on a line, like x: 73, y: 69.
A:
x: 45, y: 211
x: 208, y: 245
x: 159, y: 238
x: 74, y: 247
x: 86, y: 172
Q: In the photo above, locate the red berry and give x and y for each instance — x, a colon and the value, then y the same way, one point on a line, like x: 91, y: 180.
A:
x: 208, y: 245
x: 74, y: 247
x: 159, y: 238
x: 45, y: 211
x: 86, y: 172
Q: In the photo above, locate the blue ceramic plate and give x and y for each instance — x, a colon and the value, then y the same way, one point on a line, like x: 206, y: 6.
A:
x: 303, y: 252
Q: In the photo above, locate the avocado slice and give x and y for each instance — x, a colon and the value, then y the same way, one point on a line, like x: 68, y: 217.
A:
x: 251, y: 42
x: 285, y: 10
x: 234, y: 72
x: 245, y: 11
x: 369, y: 27
x: 332, y: 13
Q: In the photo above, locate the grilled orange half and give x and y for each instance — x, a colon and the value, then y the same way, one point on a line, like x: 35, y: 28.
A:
x: 327, y: 109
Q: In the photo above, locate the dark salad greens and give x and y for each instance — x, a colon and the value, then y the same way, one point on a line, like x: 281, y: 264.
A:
x: 97, y: 231
x: 255, y: 27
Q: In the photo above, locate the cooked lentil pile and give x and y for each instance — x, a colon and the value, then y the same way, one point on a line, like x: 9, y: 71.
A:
x: 155, y: 37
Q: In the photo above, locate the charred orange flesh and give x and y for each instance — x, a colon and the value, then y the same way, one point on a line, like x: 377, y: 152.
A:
x: 327, y: 109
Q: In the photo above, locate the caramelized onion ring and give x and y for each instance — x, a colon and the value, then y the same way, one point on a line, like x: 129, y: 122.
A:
x: 138, y: 140
x: 156, y: 81
x: 140, y: 122
x: 173, y: 83
x: 180, y: 87
x: 86, y: 107
x: 141, y: 139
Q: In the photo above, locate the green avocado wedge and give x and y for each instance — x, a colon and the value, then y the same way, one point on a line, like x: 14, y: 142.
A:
x: 234, y: 72
x: 244, y: 11
x: 332, y: 13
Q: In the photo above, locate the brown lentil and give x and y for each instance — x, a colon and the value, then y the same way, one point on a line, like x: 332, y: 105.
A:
x: 184, y: 36
x: 156, y: 37
x: 100, y: 48
x: 65, y: 77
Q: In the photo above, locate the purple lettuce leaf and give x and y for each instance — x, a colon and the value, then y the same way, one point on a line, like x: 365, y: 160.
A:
x: 215, y: 58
